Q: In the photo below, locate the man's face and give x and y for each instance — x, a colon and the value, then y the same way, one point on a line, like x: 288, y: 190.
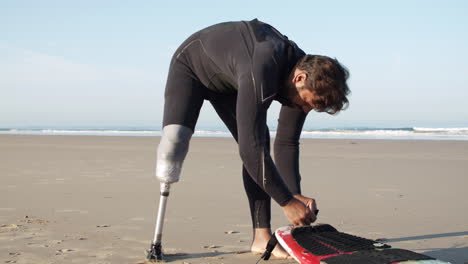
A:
x: 301, y: 97
x: 304, y: 100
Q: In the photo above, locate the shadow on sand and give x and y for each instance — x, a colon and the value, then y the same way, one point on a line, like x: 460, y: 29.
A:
x: 453, y: 255
x: 206, y: 255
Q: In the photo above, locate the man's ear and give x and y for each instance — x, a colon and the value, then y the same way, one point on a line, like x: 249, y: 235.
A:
x: 300, y: 78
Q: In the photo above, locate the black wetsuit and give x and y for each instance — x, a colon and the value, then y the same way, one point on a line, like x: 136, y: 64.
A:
x: 241, y: 67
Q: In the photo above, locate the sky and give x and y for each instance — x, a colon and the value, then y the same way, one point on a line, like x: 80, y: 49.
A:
x: 104, y: 63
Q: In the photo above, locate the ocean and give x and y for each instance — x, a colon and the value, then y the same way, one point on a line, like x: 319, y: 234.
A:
x: 408, y: 133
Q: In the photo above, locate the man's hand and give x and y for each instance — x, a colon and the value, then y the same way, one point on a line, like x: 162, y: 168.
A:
x: 309, y: 202
x: 298, y: 213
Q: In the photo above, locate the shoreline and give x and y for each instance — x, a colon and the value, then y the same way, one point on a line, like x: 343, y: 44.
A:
x: 402, y: 133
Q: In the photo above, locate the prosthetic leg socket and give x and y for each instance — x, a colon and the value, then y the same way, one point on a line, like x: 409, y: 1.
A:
x: 172, y: 150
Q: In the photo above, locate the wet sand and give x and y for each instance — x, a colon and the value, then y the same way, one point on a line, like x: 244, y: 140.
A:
x: 93, y: 199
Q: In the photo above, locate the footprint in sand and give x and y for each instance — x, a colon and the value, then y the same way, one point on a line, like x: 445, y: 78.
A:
x: 32, y: 220
x: 211, y: 246
x: 55, y: 242
x: 64, y: 250
x: 41, y: 244
x: 8, y: 228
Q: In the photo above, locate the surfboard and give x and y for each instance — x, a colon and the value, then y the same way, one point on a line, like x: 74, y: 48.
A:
x: 323, y: 244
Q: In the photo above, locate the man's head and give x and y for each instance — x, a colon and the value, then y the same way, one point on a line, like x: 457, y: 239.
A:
x: 319, y: 83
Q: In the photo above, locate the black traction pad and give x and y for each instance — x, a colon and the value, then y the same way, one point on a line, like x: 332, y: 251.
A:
x: 314, y: 238
x: 385, y: 256
x: 313, y: 246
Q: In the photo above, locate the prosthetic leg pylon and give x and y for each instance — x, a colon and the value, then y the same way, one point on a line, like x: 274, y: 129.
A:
x: 155, y: 251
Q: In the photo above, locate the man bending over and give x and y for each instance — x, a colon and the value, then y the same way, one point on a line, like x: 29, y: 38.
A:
x: 240, y: 68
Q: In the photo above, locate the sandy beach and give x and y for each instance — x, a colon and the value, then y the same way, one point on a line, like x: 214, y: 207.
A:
x: 93, y: 199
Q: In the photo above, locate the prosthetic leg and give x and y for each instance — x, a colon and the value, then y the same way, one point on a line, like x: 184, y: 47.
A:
x: 171, y: 154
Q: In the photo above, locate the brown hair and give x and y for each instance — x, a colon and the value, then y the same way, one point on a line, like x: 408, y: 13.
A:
x: 326, y: 77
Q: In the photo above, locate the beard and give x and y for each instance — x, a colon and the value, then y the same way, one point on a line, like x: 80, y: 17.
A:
x: 288, y: 96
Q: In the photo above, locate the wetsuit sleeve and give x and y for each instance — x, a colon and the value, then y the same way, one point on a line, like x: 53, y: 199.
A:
x: 286, y: 146
x: 251, y: 109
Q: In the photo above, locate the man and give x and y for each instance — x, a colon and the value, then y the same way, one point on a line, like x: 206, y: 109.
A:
x: 241, y: 67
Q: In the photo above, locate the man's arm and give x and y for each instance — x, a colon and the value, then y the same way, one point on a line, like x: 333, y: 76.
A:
x: 251, y: 125
x: 290, y: 123
x: 286, y: 146
x: 258, y: 80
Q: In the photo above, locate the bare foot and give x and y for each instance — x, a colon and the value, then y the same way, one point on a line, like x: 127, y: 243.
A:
x: 261, y: 238
x: 278, y: 252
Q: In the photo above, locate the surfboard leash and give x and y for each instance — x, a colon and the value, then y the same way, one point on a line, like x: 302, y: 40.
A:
x: 269, y: 248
